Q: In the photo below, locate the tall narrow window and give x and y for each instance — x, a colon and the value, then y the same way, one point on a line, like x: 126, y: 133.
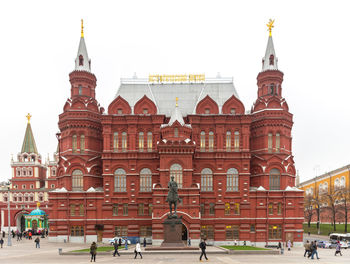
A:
x: 176, y: 132
x: 232, y: 180
x: 125, y: 209
x: 77, y: 180
x: 120, y: 180
x: 279, y: 208
x: 211, y: 141
x: 145, y: 180
x: 72, y: 210
x: 212, y: 209
x: 269, y: 142
x: 272, y: 88
x: 278, y: 142
x: 80, y: 90
x: 149, y: 141
x: 207, y: 231
x: 150, y: 209
x: 124, y: 141
x: 237, y: 210
x: 206, y: 180
x: 115, y: 142
x: 227, y: 209
x: 74, y: 143
x: 270, y: 208
x: 82, y: 143
x: 115, y: 209
x: 274, y: 179
x: 202, y: 141
x: 141, y: 141
x: 271, y: 59
x: 202, y: 208
x: 275, y: 231
x: 176, y: 171
x: 81, y: 60
x: 236, y: 140
x: 81, y: 209
x: 228, y: 141
x: 141, y: 209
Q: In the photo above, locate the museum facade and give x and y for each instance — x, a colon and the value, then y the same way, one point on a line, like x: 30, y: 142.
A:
x: 234, y: 168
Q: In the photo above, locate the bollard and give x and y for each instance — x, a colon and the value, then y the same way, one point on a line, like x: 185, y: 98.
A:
x: 60, y: 251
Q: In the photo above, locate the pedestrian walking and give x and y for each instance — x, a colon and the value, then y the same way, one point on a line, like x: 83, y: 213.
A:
x: 115, y: 244
x: 3, y: 234
x: 189, y: 241
x: 138, y: 249
x: 313, y: 250
x: 93, y: 249
x: 307, y: 246
x: 1, y: 242
x: 337, y: 249
x: 120, y: 241
x: 30, y: 235
x: 126, y: 243
x: 144, y: 242
x: 279, y: 245
x: 203, y: 246
x: 37, y: 242
x: 289, y: 244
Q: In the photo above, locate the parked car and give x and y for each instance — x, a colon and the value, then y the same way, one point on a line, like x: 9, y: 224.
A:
x: 116, y: 239
x: 343, y: 244
x: 323, y: 244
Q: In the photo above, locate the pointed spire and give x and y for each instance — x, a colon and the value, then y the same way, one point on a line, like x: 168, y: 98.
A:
x: 29, y: 145
x: 176, y: 115
x: 270, y: 60
x: 82, y: 62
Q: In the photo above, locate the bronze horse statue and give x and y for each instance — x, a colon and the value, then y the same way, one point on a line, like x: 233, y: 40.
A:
x: 173, y: 197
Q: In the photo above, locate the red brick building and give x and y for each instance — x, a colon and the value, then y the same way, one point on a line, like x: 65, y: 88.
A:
x: 30, y: 182
x: 235, y: 167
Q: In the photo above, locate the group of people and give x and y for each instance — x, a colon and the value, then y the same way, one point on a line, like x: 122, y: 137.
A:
x: 311, y: 249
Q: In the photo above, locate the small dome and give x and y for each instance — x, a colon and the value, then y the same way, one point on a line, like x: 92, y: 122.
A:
x: 37, y: 212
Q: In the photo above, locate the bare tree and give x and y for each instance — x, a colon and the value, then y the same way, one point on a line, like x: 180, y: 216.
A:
x: 331, y: 197
x: 309, y: 211
x: 344, y: 197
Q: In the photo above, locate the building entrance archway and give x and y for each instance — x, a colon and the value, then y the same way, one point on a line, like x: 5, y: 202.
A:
x: 184, y: 233
x: 20, y: 222
x: 34, y: 225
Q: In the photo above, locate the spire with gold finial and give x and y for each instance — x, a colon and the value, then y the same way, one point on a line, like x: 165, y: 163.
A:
x: 270, y: 26
x: 82, y: 28
x: 37, y: 205
x: 177, y: 99
x: 28, y: 117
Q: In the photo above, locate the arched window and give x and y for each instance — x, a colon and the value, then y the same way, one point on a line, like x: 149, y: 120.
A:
x: 270, y: 208
x: 53, y: 171
x: 124, y: 141
x: 202, y: 141
x: 236, y: 141
x: 279, y: 208
x: 342, y: 182
x: 211, y: 141
x: 269, y: 142
x: 81, y: 60
x: 82, y: 143
x: 80, y: 90
x: 325, y: 187
x: 278, y: 142
x: 141, y: 141
x: 74, y: 143
x: 271, y: 60
x: 149, y: 141
x: 24, y: 172
x: 120, y: 180
x: 176, y: 171
x: 26, y: 197
x: 232, y: 180
x: 31, y: 197
x: 228, y: 141
x: 18, y: 170
x: 77, y: 180
x: 145, y: 180
x: 115, y: 142
x: 30, y: 172
x: 272, y: 88
x: 275, y: 179
x: 206, y: 180
x: 336, y: 183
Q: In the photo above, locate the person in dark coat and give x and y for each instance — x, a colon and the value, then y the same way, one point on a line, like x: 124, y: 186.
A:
x: 203, y: 246
x: 37, y: 242
x: 120, y: 242
x: 93, y: 249
x: 313, y: 250
x: 1, y: 242
x: 115, y: 244
x: 3, y: 234
x: 144, y: 242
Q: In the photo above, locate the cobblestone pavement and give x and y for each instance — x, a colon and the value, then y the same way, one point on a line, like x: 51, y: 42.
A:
x: 25, y: 252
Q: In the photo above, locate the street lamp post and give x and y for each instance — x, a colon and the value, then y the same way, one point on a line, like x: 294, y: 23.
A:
x: 9, y: 242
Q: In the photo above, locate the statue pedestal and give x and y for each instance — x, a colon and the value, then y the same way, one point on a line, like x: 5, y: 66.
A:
x: 172, y: 232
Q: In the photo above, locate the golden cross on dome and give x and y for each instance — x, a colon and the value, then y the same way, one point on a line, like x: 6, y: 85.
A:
x: 177, y: 99
x: 28, y: 117
x: 270, y: 25
x: 82, y: 28
x: 38, y: 204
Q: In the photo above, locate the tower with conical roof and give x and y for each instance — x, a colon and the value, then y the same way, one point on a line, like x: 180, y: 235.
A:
x: 272, y: 164
x: 80, y: 137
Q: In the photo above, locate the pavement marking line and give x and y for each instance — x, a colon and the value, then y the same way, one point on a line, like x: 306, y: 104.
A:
x: 227, y: 260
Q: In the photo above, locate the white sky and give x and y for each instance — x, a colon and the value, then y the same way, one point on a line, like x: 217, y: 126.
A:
x: 39, y: 42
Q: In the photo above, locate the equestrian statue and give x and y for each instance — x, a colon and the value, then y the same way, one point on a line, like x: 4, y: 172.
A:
x: 173, y: 197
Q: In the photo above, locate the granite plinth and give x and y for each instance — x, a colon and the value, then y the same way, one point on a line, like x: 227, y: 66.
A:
x: 173, y: 232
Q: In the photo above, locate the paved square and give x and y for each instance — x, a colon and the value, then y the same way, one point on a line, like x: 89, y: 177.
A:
x: 25, y: 252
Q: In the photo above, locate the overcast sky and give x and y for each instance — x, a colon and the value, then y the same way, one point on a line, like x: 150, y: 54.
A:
x: 39, y: 42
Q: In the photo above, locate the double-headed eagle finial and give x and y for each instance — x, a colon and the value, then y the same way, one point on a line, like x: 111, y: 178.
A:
x: 270, y: 26
x: 82, y: 28
x: 28, y: 117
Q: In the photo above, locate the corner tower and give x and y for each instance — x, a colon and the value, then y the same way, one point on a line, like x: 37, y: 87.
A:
x: 80, y: 137
x: 272, y: 164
